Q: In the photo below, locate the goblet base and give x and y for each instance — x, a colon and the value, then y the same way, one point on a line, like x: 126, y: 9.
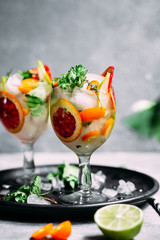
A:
x: 77, y: 198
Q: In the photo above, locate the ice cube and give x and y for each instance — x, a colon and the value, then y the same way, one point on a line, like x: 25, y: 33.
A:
x: 46, y: 186
x: 125, y: 187
x: 109, y: 192
x: 13, y: 82
x: 98, y: 180
x: 34, y: 199
x: 57, y: 184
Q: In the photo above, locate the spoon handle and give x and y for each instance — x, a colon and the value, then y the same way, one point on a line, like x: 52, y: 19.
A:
x: 155, y: 204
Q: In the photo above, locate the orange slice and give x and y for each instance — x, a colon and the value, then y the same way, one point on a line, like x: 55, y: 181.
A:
x: 108, y: 127
x: 93, y: 82
x: 91, y: 114
x: 11, y: 112
x: 90, y: 136
x: 66, y: 120
x: 28, y: 84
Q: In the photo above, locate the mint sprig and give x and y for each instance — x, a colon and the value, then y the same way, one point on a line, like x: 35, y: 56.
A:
x: 75, y: 77
x: 21, y: 194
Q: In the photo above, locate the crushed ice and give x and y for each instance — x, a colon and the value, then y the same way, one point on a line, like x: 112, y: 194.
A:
x: 125, y: 187
x: 98, y: 180
x: 34, y: 199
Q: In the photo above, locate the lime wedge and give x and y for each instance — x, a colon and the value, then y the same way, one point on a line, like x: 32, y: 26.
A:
x: 119, y: 221
x: 43, y: 75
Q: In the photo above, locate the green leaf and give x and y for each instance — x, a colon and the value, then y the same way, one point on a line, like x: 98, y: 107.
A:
x: 36, y: 186
x: 39, y: 110
x: 25, y: 74
x: 75, y: 77
x: 21, y: 194
x: 66, y: 172
x: 146, y: 122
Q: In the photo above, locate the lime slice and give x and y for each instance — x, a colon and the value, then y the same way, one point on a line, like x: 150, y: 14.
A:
x: 119, y: 221
x: 43, y: 75
x: 103, y: 97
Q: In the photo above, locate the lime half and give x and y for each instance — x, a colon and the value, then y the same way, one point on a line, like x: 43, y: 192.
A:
x: 119, y: 221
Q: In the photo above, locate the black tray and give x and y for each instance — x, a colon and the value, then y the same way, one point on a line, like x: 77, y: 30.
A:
x: 146, y: 186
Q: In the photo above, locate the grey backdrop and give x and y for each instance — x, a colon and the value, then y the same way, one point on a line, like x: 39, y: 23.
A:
x: 95, y: 33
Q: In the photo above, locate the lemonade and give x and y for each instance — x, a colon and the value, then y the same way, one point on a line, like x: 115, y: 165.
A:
x: 24, y: 105
x: 24, y: 109
x: 83, y: 119
x: 82, y: 114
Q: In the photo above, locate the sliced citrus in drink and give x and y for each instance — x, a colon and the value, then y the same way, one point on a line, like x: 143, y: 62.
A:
x: 104, y: 74
x: 119, y: 221
x: 66, y: 120
x: 91, y: 114
x: 105, y: 97
x: 90, y: 136
x: 107, y: 127
x: 28, y: 84
x: 43, y: 74
x: 93, y: 85
x: 11, y: 112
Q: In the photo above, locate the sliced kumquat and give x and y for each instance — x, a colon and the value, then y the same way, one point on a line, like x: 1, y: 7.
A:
x: 62, y: 231
x: 26, y: 111
x: 28, y: 84
x: 90, y: 136
x: 107, y: 127
x: 55, y: 84
x: 43, y: 231
x: 94, y: 84
x: 91, y: 114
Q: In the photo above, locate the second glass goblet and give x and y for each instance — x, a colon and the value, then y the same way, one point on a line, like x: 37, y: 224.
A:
x: 83, y: 119
x: 24, y: 111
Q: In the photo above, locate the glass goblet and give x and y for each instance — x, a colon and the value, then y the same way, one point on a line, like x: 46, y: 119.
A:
x: 83, y: 120
x: 24, y: 112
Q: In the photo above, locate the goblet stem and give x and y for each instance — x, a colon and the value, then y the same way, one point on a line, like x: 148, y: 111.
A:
x: 28, y: 161
x: 85, y: 180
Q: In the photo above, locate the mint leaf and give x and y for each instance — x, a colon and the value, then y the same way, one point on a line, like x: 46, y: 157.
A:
x: 75, y: 77
x: 25, y: 74
x: 66, y: 172
x: 36, y: 186
x: 21, y: 194
x: 39, y: 110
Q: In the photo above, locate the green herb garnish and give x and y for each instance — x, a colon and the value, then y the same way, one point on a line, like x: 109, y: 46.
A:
x: 25, y: 74
x: 67, y: 173
x: 21, y: 194
x: 75, y: 77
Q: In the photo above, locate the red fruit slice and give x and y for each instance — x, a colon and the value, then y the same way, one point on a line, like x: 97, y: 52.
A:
x: 111, y: 71
x: 11, y: 112
x: 66, y: 120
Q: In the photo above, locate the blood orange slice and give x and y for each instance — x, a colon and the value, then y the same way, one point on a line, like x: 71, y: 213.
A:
x: 11, y: 112
x: 66, y: 120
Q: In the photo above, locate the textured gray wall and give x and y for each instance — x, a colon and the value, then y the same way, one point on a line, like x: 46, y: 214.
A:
x: 63, y: 33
